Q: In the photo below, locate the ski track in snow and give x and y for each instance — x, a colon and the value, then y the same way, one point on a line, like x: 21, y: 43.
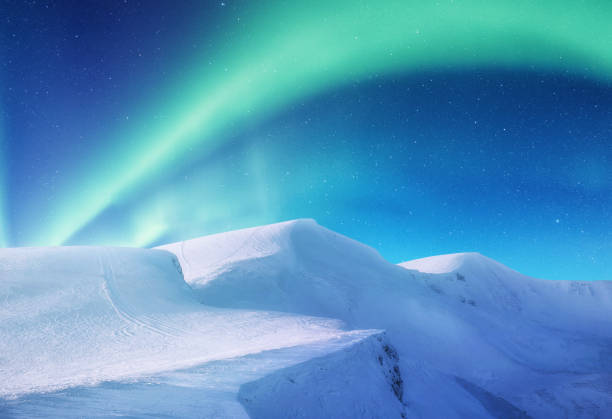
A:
x: 122, y: 309
x: 106, y: 286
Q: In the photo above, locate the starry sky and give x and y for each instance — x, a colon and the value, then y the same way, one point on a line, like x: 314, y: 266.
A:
x: 419, y: 128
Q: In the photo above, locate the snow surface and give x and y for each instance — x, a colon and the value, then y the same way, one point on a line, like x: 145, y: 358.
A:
x: 319, y: 387
x: 497, y: 342
x: 208, y: 390
x: 83, y: 315
x: 284, y: 321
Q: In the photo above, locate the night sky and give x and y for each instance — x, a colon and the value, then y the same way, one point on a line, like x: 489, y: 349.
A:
x: 419, y: 128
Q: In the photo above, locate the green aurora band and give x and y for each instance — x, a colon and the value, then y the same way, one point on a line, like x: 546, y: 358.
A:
x: 294, y: 50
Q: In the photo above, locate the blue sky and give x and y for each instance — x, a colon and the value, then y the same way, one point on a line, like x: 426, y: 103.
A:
x: 512, y: 161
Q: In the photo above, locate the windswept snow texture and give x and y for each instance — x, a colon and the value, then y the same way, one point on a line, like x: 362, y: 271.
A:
x: 79, y: 316
x: 286, y: 320
x: 344, y: 384
x: 207, y: 390
x: 474, y: 338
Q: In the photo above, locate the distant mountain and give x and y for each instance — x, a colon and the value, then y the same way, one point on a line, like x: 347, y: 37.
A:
x: 294, y: 320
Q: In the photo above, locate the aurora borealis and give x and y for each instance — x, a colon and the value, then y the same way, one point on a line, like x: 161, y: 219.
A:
x: 416, y: 127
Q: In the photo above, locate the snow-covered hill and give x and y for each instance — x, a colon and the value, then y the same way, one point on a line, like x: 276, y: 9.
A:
x: 83, y: 315
x: 491, y: 337
x: 284, y: 320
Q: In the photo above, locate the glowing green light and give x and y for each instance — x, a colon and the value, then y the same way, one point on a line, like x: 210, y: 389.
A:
x: 298, y: 49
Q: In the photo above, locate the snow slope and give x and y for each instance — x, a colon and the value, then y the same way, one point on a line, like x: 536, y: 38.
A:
x: 208, y: 390
x: 497, y: 342
x: 341, y: 384
x: 296, y: 266
x: 82, y: 315
x: 92, y: 331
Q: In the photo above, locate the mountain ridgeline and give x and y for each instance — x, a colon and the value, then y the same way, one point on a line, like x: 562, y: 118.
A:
x: 294, y: 320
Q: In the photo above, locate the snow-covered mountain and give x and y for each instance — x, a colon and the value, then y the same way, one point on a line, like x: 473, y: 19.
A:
x: 294, y: 320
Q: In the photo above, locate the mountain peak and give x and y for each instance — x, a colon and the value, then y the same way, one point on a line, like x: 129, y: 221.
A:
x: 277, y: 247
x: 464, y: 263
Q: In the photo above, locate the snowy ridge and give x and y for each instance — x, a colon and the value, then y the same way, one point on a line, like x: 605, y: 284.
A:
x: 275, y: 249
x: 368, y: 371
x: 472, y: 262
x: 208, y: 390
x: 296, y: 266
x: 82, y: 315
x: 541, y: 346
x: 237, y: 336
x: 564, y: 304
